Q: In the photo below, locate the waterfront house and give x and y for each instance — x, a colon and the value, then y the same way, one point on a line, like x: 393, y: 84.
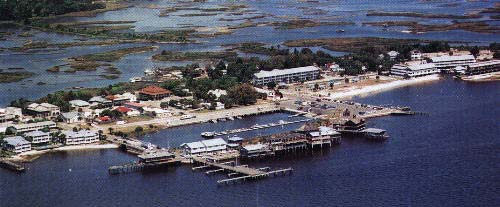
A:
x: 286, y: 75
x: 72, y: 117
x: 80, y: 137
x: 324, y: 135
x: 446, y: 62
x: 10, y: 113
x: 347, y: 125
x: 37, y: 137
x: 43, y: 110
x: 414, y: 70
x: 153, y: 93
x: 21, y: 128
x: 285, y: 141
x: 79, y: 104
x: 100, y: 102
x: 205, y: 146
x: 16, y: 144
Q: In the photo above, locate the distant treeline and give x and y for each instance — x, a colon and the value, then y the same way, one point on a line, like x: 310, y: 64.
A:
x: 23, y: 10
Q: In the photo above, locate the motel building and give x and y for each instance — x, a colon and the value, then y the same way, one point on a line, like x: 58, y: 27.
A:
x: 286, y: 75
x: 414, y: 70
x: 16, y: 144
x: 21, y: 128
x: 447, y: 62
x: 37, y: 137
x: 80, y: 137
x: 483, y: 67
x: 205, y: 146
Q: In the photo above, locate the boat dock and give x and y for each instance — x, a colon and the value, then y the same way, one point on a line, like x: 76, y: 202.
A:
x: 245, y: 172
x: 256, y: 127
x: 11, y: 166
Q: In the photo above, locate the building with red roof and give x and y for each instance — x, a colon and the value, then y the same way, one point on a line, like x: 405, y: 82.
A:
x: 154, y: 93
x: 123, y: 109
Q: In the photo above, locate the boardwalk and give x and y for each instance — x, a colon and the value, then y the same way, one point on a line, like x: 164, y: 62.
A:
x: 237, y: 169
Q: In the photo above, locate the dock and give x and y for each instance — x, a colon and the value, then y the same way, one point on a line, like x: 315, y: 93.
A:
x: 257, y: 127
x: 11, y: 166
x: 245, y: 172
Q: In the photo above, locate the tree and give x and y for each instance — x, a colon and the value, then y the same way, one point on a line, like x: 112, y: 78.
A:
x: 271, y: 85
x: 138, y: 130
x: 243, y: 94
x: 474, y: 51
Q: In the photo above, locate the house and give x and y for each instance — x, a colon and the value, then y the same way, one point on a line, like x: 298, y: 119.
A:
x: 130, y: 96
x: 72, y: 117
x: 153, y: 93
x: 414, y: 70
x: 37, y: 137
x: 21, y: 128
x: 335, y: 67
x: 348, y: 125
x: 16, y: 144
x: 416, y: 55
x: 80, y: 137
x: 133, y: 113
x: 269, y: 93
x: 100, y: 102
x: 133, y: 105
x: 218, y: 93
x: 324, y: 135
x: 205, y: 146
x: 122, y: 109
x: 255, y: 150
x: 393, y: 54
x: 43, y: 110
x: 286, y: 75
x: 157, y: 112
x: 10, y: 113
x: 79, y: 104
x: 118, y: 100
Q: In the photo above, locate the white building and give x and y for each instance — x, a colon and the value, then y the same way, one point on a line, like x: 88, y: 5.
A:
x: 72, y: 117
x: 130, y: 96
x: 10, y: 113
x: 80, y: 137
x: 79, y: 104
x: 37, y: 137
x: 286, y: 75
x: 448, y: 62
x: 205, y: 146
x: 416, y: 55
x: 335, y: 68
x: 483, y: 67
x: 16, y: 144
x: 21, y: 128
x: 393, y: 54
x: 218, y: 93
x: 414, y: 70
x: 44, y: 110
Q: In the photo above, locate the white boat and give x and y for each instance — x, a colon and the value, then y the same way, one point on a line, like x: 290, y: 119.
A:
x: 135, y: 79
x: 208, y: 134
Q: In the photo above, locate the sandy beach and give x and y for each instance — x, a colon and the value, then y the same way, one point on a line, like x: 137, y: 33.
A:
x: 24, y: 155
x: 366, y: 90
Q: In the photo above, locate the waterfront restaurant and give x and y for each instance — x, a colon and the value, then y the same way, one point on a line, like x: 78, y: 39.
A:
x: 16, y: 144
x: 153, y: 93
x: 414, y: 70
x: 43, y: 110
x: 21, y: 128
x: 286, y: 75
x: 323, y: 136
x: 205, y: 146
x: 80, y: 137
x: 255, y: 150
x: 448, y: 62
x: 37, y: 137
x: 483, y: 67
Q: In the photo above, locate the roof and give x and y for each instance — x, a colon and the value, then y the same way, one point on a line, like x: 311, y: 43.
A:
x: 35, y: 134
x: 214, y: 142
x: 41, y: 107
x: 235, y: 139
x: 36, y: 124
x: 422, y: 66
x: 374, y: 130
x: 393, y: 53
x: 79, y: 103
x: 445, y: 58
x: 278, y: 72
x: 81, y: 133
x: 70, y: 115
x: 155, y: 90
x: 155, y: 154
x: 15, y: 141
x: 253, y: 147
x: 99, y: 99
x: 123, y: 109
x: 193, y: 145
x: 486, y: 63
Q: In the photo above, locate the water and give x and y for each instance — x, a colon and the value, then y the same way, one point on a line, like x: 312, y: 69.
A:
x: 448, y: 157
x: 147, y: 20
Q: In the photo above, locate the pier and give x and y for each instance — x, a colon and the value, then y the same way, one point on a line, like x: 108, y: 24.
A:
x: 247, y: 173
x: 256, y: 127
x: 11, y: 166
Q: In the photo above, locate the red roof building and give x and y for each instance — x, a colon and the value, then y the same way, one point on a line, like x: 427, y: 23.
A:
x: 153, y: 93
x: 123, y: 109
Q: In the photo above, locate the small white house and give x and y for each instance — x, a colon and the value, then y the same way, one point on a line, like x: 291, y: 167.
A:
x: 218, y: 93
x: 205, y: 146
x: 79, y: 104
x: 393, y: 54
x: 72, y: 117
x: 16, y: 144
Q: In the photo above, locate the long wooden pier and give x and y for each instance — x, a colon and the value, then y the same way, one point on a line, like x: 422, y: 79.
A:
x: 247, y: 173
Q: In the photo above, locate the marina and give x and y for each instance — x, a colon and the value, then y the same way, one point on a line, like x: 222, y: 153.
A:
x: 255, y: 127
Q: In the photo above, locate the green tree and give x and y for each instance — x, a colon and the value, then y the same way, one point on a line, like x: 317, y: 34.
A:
x: 243, y: 94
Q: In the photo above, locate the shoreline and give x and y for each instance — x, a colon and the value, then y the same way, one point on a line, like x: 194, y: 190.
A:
x: 28, y: 156
x: 377, y: 88
x: 487, y: 77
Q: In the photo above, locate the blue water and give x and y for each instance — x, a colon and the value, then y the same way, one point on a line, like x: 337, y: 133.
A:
x: 448, y: 157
